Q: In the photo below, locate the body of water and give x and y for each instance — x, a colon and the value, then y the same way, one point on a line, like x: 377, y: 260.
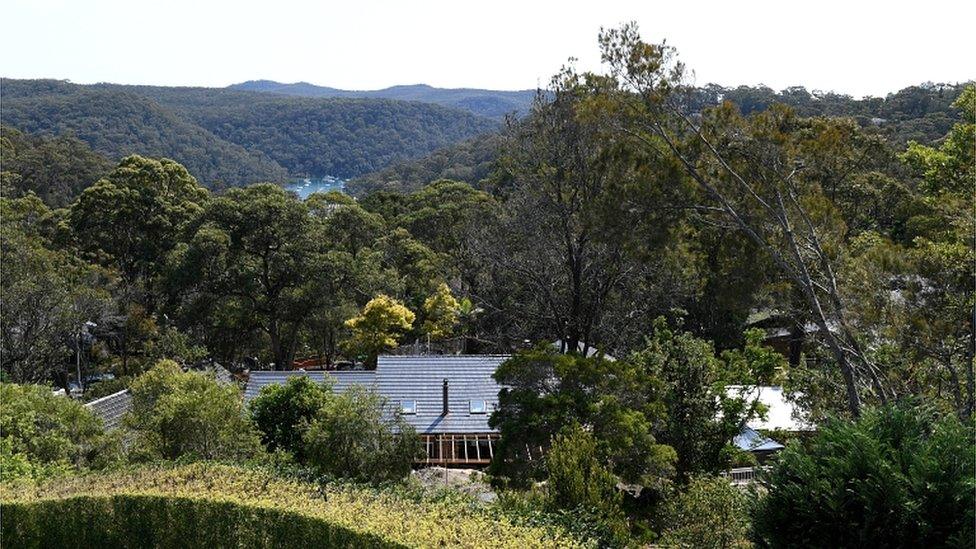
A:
x: 307, y: 186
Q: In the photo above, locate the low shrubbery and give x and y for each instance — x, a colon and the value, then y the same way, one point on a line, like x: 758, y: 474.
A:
x: 282, y: 413
x: 188, y: 414
x: 42, y: 433
x: 898, y: 477
x: 706, y: 513
x: 350, y: 438
x: 135, y: 520
x: 349, y: 435
x: 222, y: 498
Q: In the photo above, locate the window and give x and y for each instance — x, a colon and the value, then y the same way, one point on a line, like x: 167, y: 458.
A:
x: 477, y: 407
x: 408, y: 406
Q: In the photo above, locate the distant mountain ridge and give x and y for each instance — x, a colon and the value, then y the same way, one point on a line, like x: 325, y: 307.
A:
x: 228, y: 137
x: 489, y: 103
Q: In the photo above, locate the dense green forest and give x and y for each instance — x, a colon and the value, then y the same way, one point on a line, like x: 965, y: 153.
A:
x: 635, y: 244
x: 114, y: 123
x: 490, y: 103
x: 56, y: 169
x: 231, y: 138
x: 472, y: 160
x: 919, y: 113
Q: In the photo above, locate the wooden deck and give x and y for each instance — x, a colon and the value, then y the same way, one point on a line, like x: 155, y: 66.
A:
x: 470, y: 449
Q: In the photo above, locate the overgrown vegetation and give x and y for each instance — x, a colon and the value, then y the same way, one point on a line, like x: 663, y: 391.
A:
x: 635, y: 245
x: 898, y: 477
x: 153, y: 496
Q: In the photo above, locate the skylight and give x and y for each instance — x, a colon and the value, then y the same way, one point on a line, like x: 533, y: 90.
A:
x: 408, y: 406
x: 477, y: 407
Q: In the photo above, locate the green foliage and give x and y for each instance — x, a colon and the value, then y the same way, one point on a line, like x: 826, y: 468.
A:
x: 708, y: 513
x: 379, y: 326
x: 47, y: 294
x: 701, y: 418
x: 176, y: 414
x: 55, y: 169
x: 132, y: 520
x: 134, y: 216
x: 440, y: 313
x: 545, y: 392
x: 351, y: 437
x: 210, y: 503
x: 574, y: 473
x: 900, y: 476
x: 471, y: 160
x: 116, y: 123
x: 283, y: 412
x: 42, y: 433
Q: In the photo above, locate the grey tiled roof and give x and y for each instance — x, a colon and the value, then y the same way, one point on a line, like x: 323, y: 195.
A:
x: 342, y: 378
x: 111, y: 408
x: 420, y: 378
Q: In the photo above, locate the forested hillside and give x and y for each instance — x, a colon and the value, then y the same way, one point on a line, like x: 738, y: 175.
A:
x: 471, y: 160
x: 491, y: 103
x: 232, y: 138
x: 116, y: 123
x: 314, y: 137
x: 918, y: 113
x: 56, y: 169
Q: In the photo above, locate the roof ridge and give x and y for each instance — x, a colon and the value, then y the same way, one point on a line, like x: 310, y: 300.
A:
x: 106, y: 397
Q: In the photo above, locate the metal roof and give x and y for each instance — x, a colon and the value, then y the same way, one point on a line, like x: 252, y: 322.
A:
x: 420, y: 378
x: 342, y: 378
x: 749, y: 440
x: 111, y: 408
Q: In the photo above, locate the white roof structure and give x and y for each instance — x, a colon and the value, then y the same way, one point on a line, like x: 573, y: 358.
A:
x: 781, y: 414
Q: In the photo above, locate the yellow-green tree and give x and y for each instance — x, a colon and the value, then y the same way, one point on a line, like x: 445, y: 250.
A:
x: 441, y: 313
x: 379, y: 326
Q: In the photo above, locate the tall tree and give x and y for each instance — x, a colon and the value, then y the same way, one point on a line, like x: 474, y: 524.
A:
x: 257, y: 255
x: 753, y: 175
x: 134, y: 216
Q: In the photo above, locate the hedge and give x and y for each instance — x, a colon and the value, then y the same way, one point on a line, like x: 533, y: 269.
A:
x: 168, y: 522
x: 212, y: 505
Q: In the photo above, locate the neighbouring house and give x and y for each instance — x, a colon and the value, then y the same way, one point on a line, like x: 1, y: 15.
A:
x: 111, y: 408
x: 446, y: 398
x: 780, y: 416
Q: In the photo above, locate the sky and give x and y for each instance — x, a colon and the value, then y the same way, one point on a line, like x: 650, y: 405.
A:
x: 851, y: 46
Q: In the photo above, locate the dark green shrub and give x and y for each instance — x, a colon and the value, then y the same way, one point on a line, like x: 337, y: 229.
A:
x: 41, y: 433
x: 283, y: 412
x: 351, y: 437
x: 177, y: 414
x: 898, y: 477
x: 708, y: 513
x: 578, y: 481
x: 168, y: 521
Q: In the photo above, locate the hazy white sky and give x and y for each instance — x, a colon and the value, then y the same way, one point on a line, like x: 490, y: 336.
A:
x: 850, y: 46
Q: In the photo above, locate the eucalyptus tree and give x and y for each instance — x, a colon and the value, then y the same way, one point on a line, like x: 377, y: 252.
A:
x: 753, y: 175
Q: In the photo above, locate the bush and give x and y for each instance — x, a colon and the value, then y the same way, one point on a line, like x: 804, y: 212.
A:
x: 708, y: 513
x: 283, y: 412
x: 210, y: 505
x: 898, y: 477
x: 164, y: 521
x: 41, y: 433
x: 177, y: 414
x: 578, y: 481
x: 351, y: 438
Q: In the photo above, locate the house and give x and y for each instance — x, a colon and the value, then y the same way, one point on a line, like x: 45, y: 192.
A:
x: 341, y: 379
x: 447, y: 399
x: 111, y: 408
